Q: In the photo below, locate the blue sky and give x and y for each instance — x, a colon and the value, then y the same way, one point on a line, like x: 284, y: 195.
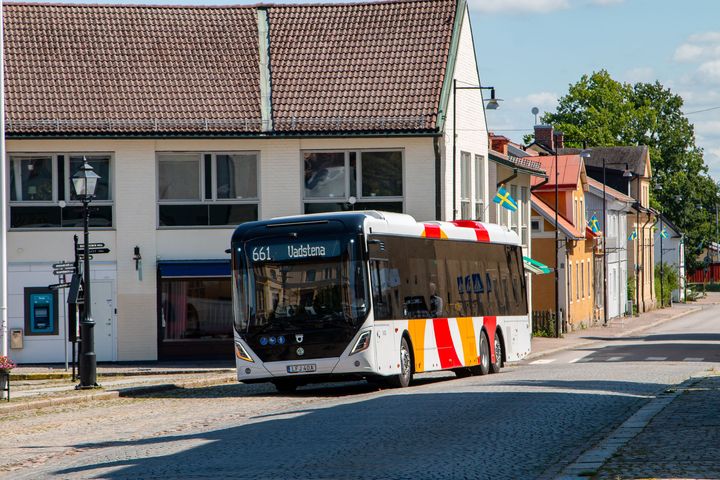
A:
x: 531, y: 50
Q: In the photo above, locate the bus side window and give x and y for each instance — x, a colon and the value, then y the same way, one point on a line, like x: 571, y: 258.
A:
x: 382, y: 301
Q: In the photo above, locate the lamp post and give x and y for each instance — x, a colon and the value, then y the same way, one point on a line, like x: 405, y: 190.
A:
x: 84, y: 182
x: 492, y: 104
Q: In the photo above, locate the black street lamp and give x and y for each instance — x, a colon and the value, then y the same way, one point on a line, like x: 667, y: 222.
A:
x: 84, y: 182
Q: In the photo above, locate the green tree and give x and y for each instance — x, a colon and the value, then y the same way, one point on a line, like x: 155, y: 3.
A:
x: 599, y: 111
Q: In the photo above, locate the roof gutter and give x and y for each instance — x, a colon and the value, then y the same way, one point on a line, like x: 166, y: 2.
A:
x: 188, y: 136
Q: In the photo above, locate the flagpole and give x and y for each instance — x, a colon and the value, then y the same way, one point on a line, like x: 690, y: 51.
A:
x: 605, y: 263
x: 662, y: 268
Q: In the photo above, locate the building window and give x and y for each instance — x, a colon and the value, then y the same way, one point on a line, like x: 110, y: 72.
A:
x: 570, y: 281
x: 200, y: 190
x: 525, y: 205
x: 353, y: 180
x: 515, y: 216
x: 589, y: 279
x: 479, y: 188
x: 466, y: 182
x: 581, y: 280
x: 536, y: 225
x: 42, y: 195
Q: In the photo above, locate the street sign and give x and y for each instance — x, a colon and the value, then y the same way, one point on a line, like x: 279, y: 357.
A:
x: 64, y: 265
x: 81, y: 246
x: 94, y: 251
x: 56, y: 286
x: 63, y: 271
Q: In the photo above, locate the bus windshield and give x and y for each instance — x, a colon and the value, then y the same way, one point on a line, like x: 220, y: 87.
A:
x: 302, y: 285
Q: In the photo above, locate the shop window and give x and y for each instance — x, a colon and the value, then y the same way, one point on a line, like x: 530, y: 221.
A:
x: 196, y: 309
x: 42, y: 196
x: 353, y: 180
x: 211, y: 189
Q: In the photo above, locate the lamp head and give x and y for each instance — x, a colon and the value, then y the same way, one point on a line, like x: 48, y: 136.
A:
x: 85, y: 181
x: 493, y: 103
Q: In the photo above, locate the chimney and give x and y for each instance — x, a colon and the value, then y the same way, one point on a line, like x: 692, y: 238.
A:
x: 560, y: 139
x: 499, y: 143
x: 544, y: 134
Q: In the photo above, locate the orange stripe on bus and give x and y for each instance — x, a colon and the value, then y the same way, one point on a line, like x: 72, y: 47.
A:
x: 467, y: 335
x: 416, y: 329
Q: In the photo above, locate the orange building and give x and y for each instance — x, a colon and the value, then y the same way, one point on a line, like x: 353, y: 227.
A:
x: 576, y: 242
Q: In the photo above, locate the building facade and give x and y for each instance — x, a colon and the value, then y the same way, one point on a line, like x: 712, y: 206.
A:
x: 670, y: 250
x: 248, y: 116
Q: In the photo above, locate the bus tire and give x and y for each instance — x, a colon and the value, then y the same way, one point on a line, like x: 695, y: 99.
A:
x: 498, y: 364
x: 484, y: 366
x: 404, y: 378
x: 285, y: 385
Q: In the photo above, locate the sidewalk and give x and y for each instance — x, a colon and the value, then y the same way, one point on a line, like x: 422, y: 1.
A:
x: 40, y: 386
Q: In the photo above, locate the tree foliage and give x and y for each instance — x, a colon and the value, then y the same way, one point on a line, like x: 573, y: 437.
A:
x: 599, y: 111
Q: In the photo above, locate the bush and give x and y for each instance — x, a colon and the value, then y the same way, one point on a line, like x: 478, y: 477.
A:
x: 667, y: 283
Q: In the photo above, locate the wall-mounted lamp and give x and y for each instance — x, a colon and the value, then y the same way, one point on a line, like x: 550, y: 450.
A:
x: 138, y: 261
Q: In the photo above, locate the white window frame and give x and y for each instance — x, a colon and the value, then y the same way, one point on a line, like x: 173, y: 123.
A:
x: 358, y: 177
x: 524, y: 217
x: 479, y: 164
x: 67, y: 184
x: 213, y: 200
x: 466, y: 185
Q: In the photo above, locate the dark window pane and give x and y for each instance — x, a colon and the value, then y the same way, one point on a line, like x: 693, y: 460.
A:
x: 324, y: 174
x: 232, y: 214
x: 101, y: 166
x: 208, y: 176
x: 34, y: 217
x: 326, y: 207
x: 183, y: 215
x: 31, y: 179
x: 61, y: 177
x: 396, y: 207
x: 197, y: 308
x: 178, y: 176
x: 237, y: 176
x: 382, y: 174
x: 100, y: 216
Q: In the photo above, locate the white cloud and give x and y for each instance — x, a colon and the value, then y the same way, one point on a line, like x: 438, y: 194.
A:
x: 709, y: 72
x: 639, y: 74
x: 518, y: 6
x: 688, y: 52
x: 705, y: 37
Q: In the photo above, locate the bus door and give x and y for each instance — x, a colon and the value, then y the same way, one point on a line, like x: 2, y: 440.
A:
x: 384, y: 282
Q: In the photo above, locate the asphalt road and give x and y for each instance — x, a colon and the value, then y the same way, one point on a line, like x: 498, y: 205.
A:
x: 529, y: 421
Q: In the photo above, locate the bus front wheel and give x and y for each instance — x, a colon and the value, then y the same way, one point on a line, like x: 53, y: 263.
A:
x: 498, y: 364
x: 404, y: 378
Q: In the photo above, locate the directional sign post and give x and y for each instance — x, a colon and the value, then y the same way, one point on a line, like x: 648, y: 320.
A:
x: 57, y: 286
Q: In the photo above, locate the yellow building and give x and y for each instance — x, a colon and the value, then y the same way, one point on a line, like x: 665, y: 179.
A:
x: 576, y: 242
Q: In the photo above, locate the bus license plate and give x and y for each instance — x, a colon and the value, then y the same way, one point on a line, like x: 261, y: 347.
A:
x: 309, y: 367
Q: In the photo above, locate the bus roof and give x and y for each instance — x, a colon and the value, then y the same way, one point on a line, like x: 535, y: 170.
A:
x: 373, y: 221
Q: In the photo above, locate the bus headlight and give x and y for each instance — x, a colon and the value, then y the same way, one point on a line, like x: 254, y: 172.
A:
x: 362, y: 343
x: 241, y: 353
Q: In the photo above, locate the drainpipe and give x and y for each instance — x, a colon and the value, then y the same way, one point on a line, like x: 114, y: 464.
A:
x: 438, y: 175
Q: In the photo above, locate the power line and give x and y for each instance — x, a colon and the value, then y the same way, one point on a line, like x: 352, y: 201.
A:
x: 704, y: 110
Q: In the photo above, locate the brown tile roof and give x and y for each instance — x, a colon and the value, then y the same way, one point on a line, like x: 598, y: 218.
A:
x: 377, y: 66
x: 130, y: 69
x: 94, y: 69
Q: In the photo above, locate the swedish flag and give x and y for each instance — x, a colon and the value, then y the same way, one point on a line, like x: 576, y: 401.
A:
x: 503, y: 198
x: 594, y: 224
x: 633, y: 236
x: 663, y: 233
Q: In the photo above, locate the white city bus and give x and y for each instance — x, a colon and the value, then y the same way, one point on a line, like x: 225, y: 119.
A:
x: 375, y: 295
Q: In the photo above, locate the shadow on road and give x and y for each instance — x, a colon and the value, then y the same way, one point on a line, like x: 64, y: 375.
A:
x: 485, y: 434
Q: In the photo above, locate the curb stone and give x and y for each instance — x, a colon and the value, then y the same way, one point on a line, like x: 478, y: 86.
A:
x: 119, y: 393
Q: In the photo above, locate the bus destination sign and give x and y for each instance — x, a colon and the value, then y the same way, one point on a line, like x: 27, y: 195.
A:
x: 295, y: 251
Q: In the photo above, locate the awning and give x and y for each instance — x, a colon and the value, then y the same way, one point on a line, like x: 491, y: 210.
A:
x: 536, y: 267
x: 194, y: 268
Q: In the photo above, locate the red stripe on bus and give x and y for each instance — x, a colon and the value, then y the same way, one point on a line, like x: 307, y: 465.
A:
x: 490, y: 326
x: 481, y: 233
x: 446, y: 348
x: 432, y: 231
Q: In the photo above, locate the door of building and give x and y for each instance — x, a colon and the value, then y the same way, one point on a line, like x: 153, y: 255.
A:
x: 103, y: 313
x: 613, y: 292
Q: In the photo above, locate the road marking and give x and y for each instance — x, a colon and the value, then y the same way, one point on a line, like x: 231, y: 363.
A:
x: 575, y: 360
x: 614, y: 359
x: 656, y: 359
x: 543, y: 361
x: 693, y: 359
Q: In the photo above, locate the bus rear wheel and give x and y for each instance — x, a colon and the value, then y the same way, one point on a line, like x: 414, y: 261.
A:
x: 498, y: 363
x: 404, y: 378
x: 483, y: 368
